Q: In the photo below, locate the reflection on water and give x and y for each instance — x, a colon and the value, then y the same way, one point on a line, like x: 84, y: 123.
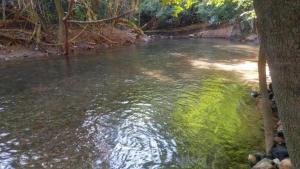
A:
x: 148, y: 106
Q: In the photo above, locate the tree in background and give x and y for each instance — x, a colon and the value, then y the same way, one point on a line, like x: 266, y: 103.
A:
x: 174, y: 13
x: 60, y: 15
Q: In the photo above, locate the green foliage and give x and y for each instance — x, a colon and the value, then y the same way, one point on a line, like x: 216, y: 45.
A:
x: 79, y: 12
x: 170, y: 13
x: 178, y: 6
x: 212, y: 11
x: 220, y: 11
x: 151, y: 8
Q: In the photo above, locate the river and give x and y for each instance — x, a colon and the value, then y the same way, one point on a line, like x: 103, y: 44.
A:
x: 166, y: 104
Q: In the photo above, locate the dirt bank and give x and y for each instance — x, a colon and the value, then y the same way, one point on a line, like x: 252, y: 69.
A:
x: 230, y: 32
x: 81, y: 41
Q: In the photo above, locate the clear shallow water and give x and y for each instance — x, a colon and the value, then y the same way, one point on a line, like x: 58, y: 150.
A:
x: 145, y: 106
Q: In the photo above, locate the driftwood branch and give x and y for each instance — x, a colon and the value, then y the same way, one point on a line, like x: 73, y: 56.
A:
x: 14, y: 37
x: 102, y: 20
x: 75, y: 37
x: 14, y: 31
x: 107, y: 39
x: 15, y: 34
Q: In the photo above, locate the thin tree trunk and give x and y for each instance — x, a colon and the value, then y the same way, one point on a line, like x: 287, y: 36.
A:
x: 66, y: 37
x: 61, y: 30
x: 66, y: 23
x: 3, y: 10
x: 279, y: 29
x: 264, y: 102
x: 36, y: 19
x: 38, y: 35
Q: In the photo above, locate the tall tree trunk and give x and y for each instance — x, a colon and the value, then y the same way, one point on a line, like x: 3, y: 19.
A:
x: 61, y: 30
x: 264, y: 102
x: 34, y: 17
x: 3, y: 10
x: 38, y: 35
x: 95, y: 6
x: 279, y: 29
x: 66, y: 24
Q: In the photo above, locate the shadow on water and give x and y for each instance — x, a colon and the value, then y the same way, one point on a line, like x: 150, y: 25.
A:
x: 147, y: 106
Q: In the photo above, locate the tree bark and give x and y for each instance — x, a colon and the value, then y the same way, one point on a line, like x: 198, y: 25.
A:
x: 279, y: 29
x: 264, y: 102
x: 3, y: 10
x: 66, y: 23
x: 38, y: 27
x: 61, y: 30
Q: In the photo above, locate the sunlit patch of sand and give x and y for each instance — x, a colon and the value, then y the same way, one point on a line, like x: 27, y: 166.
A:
x: 157, y: 74
x: 248, y: 69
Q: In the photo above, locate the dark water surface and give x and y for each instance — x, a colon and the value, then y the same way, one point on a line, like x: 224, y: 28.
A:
x: 145, y: 106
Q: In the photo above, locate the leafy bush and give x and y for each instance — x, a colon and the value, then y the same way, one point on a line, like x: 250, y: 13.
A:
x: 220, y: 11
x: 184, y: 12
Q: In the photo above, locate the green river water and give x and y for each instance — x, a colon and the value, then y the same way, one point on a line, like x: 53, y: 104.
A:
x: 143, y: 106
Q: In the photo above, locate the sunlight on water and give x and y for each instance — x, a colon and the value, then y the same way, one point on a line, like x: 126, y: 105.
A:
x: 166, y: 104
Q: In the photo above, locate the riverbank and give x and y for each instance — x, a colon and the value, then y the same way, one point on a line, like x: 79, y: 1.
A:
x: 229, y: 32
x: 82, y: 40
x: 93, y: 40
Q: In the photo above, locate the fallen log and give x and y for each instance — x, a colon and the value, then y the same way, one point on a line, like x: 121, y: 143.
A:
x: 13, y: 31
x: 16, y: 34
x: 179, y: 30
x: 13, y: 37
x: 102, y: 20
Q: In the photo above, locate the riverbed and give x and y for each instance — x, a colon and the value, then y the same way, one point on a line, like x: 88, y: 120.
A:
x: 178, y: 103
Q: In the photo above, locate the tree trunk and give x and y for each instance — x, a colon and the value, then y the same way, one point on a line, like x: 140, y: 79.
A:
x: 38, y: 25
x: 38, y: 35
x: 279, y: 29
x: 66, y: 24
x: 264, y: 102
x: 3, y: 10
x: 61, y: 30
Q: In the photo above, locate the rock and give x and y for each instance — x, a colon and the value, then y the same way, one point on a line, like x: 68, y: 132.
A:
x: 2, y: 47
x: 145, y: 38
x: 254, y: 158
x: 264, y: 164
x: 285, y: 164
x: 191, y: 35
